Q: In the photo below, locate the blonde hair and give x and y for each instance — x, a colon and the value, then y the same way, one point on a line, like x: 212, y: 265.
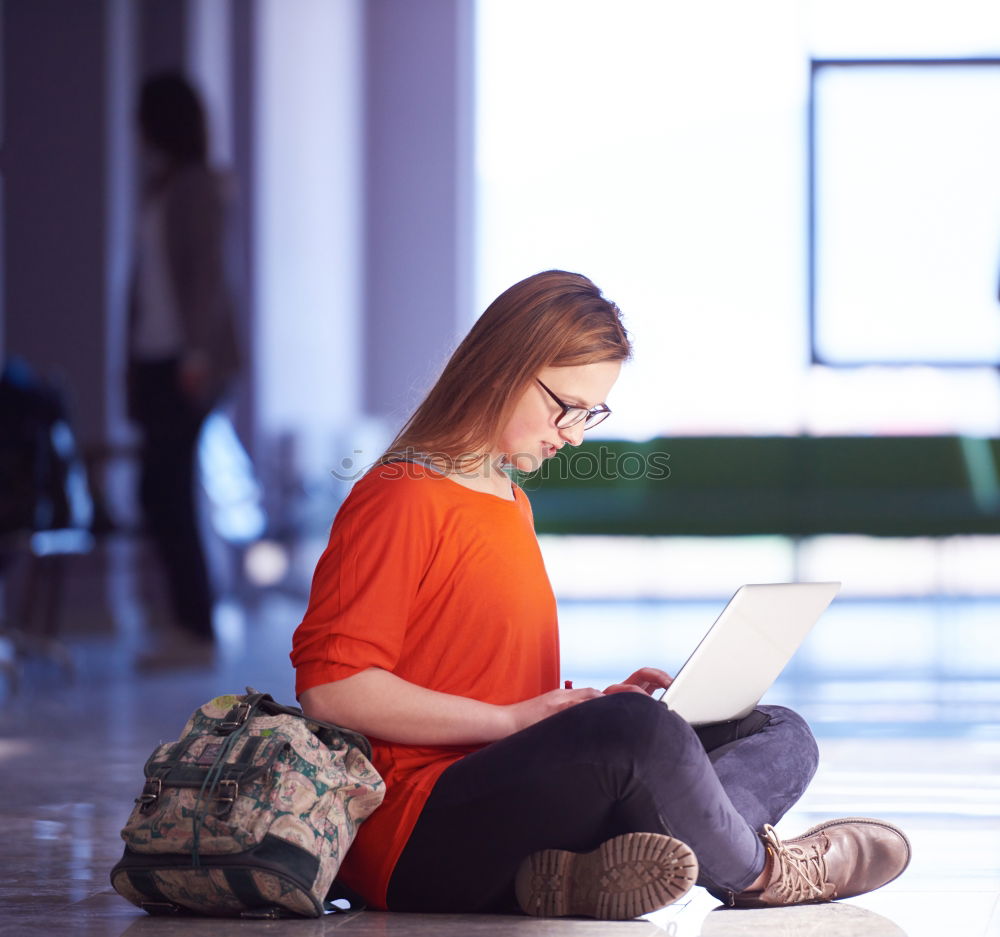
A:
x: 550, y: 319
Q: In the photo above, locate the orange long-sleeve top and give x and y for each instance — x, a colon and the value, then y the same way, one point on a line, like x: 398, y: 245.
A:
x: 444, y: 587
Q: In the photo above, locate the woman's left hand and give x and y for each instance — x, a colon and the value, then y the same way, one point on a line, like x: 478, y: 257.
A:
x: 647, y: 680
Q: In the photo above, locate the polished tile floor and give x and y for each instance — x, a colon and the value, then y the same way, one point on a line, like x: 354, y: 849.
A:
x: 904, y: 697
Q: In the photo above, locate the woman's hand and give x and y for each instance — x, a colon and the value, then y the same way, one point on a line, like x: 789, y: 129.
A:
x: 529, y: 711
x: 647, y: 680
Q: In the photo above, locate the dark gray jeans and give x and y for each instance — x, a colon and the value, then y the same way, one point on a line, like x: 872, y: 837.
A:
x: 619, y: 764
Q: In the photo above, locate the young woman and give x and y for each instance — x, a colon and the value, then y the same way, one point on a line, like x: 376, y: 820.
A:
x: 431, y: 628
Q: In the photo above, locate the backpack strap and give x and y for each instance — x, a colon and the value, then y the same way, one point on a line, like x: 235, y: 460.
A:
x: 155, y: 902
x: 234, y: 727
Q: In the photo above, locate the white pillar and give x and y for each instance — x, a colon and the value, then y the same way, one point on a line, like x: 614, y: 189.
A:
x: 418, y: 189
x: 307, y: 232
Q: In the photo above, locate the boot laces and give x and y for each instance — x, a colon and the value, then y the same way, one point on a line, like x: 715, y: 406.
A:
x: 801, y: 870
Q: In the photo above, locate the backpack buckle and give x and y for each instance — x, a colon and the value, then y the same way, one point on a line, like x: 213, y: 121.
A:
x: 226, y: 796
x: 235, y: 717
x: 151, y: 791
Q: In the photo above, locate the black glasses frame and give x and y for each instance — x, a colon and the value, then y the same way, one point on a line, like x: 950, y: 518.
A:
x: 571, y: 415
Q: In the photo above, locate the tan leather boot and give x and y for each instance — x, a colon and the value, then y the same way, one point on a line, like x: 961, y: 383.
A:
x: 836, y: 859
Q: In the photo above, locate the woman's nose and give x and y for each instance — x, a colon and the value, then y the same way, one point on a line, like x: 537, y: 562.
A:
x: 572, y: 434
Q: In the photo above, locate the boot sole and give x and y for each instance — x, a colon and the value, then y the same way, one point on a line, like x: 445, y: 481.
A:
x: 625, y: 877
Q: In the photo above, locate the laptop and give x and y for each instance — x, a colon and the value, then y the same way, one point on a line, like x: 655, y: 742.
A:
x: 742, y: 654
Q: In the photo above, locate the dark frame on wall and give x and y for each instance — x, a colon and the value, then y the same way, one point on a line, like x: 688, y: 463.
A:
x: 814, y: 274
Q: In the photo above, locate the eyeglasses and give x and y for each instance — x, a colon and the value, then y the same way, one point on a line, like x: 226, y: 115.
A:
x: 571, y: 415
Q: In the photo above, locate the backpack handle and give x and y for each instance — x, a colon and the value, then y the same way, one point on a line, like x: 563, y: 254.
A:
x: 254, y: 702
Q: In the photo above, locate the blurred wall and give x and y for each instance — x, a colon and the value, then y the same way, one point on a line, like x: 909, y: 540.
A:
x: 71, y: 70
x: 59, y: 144
x: 349, y: 124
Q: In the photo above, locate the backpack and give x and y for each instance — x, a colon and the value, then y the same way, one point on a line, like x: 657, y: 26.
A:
x: 249, y: 813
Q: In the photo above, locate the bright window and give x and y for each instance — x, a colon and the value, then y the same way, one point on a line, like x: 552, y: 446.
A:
x: 907, y: 209
x: 661, y: 148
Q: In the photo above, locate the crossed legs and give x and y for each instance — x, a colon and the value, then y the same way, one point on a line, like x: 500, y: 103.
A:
x: 619, y: 764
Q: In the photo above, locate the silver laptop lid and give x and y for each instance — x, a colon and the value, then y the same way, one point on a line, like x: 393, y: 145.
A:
x: 742, y: 654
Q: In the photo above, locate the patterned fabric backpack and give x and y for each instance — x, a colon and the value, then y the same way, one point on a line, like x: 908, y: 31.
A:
x: 249, y: 813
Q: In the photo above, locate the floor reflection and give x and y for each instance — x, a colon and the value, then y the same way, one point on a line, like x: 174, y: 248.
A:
x: 837, y: 920
x: 918, y: 744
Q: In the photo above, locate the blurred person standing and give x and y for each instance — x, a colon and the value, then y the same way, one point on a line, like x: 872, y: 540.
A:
x: 182, y: 347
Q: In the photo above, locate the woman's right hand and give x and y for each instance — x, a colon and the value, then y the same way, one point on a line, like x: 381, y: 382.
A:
x: 529, y: 711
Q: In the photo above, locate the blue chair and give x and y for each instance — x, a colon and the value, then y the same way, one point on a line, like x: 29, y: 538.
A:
x: 46, y: 513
